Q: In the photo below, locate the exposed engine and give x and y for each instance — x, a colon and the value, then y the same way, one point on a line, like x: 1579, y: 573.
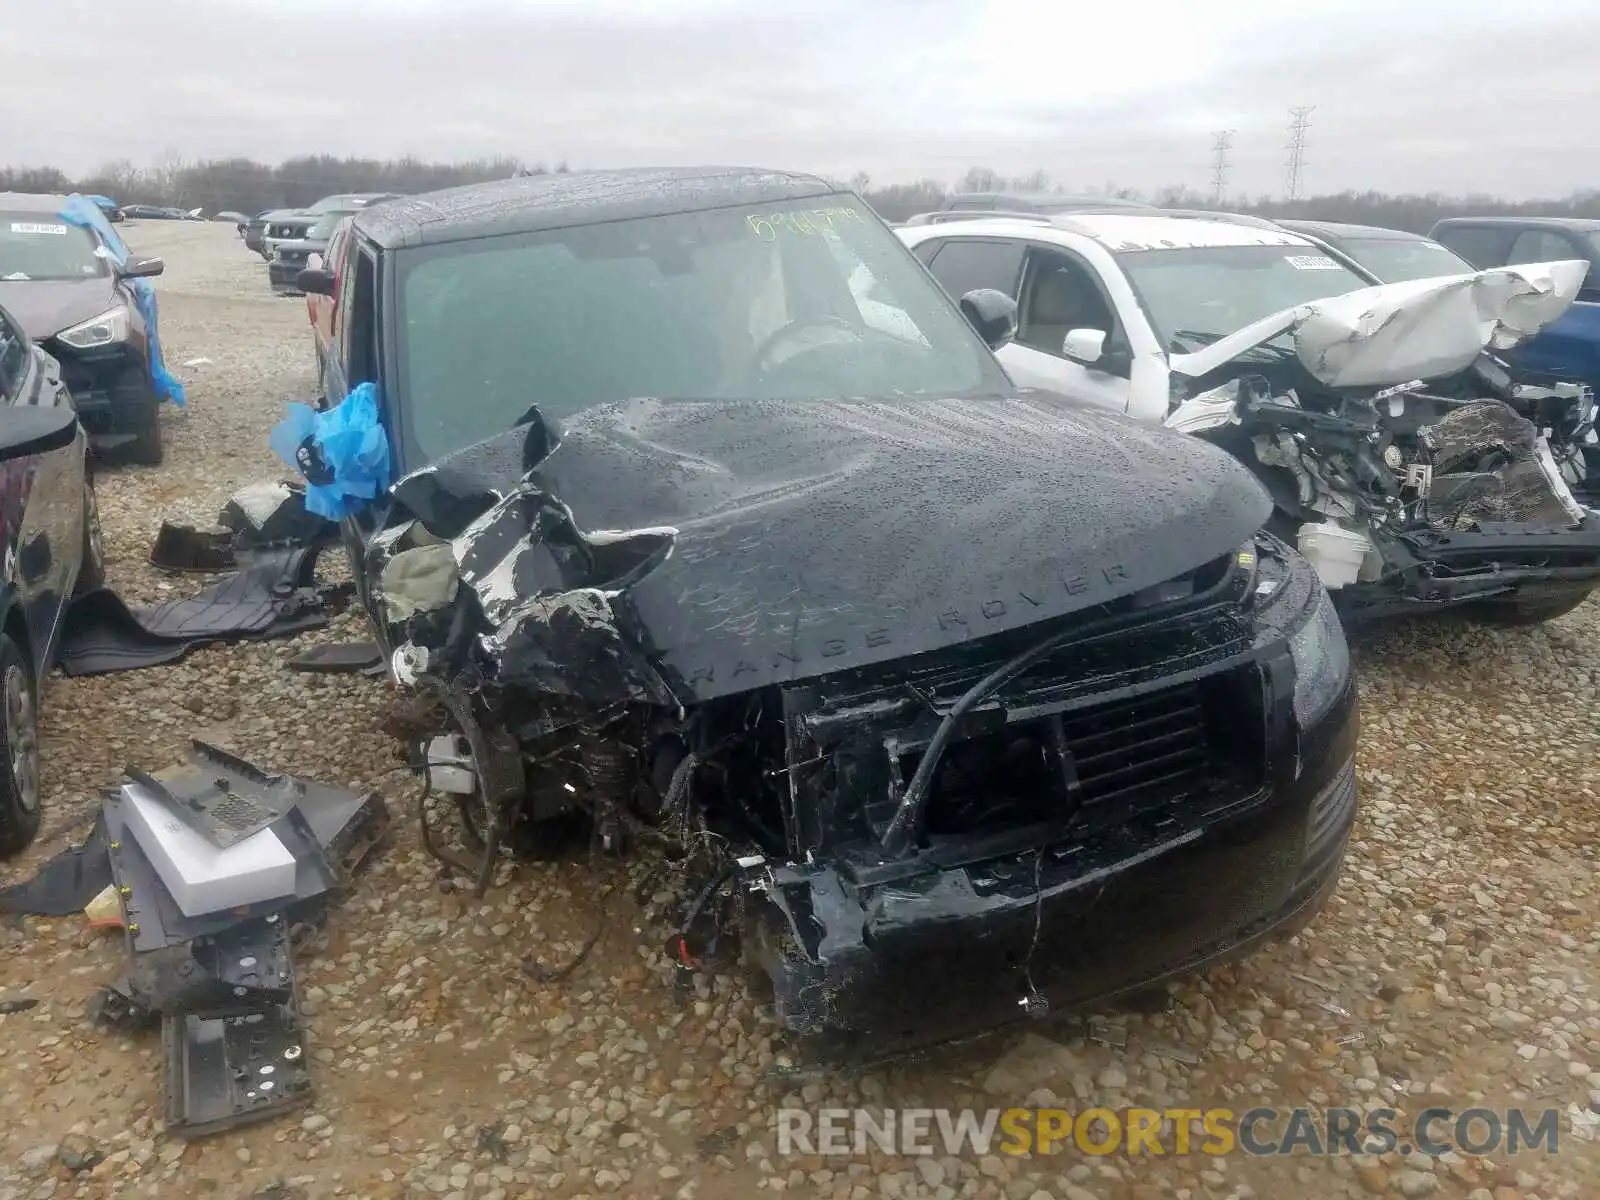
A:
x: 1368, y: 484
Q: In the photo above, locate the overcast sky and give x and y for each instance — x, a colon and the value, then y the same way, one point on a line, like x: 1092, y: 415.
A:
x: 1433, y: 95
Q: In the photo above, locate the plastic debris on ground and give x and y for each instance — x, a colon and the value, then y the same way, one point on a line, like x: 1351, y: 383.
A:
x: 264, y: 547
x: 210, y: 944
x: 343, y: 452
x: 85, y: 213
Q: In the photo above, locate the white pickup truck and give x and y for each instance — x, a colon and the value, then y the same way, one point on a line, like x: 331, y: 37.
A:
x: 1364, y: 409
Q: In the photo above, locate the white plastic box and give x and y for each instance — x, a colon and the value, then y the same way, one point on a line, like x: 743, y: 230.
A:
x: 1336, y: 553
x: 201, y: 877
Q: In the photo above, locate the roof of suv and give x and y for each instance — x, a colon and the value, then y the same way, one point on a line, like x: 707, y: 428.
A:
x: 1334, y: 230
x: 1582, y: 224
x: 1131, y: 231
x: 534, y: 203
x: 1041, y: 202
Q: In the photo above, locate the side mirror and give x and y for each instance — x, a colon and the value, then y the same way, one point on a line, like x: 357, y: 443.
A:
x: 141, y: 268
x: 992, y: 313
x: 27, y: 429
x: 314, y: 281
x: 1084, y: 346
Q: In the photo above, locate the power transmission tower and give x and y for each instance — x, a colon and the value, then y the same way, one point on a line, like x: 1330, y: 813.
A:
x: 1220, y: 145
x: 1299, y: 122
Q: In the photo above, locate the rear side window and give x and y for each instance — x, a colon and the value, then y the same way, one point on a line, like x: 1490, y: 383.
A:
x: 962, y: 264
x: 1481, y: 245
x: 1543, y: 245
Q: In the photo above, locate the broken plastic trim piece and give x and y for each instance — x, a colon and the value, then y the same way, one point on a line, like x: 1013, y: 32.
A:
x: 232, y: 1070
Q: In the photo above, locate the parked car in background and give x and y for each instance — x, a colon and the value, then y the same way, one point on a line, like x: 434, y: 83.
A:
x: 1390, y: 255
x: 289, y: 258
x: 108, y: 206
x: 50, y: 548
x: 933, y: 671
x: 1408, y: 482
x: 237, y: 219
x: 966, y: 206
x: 62, y: 283
x: 1569, y: 348
x: 255, y: 231
x: 153, y: 212
x: 293, y: 226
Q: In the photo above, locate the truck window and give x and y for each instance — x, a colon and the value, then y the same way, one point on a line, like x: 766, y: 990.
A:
x: 1481, y: 245
x: 1541, y: 246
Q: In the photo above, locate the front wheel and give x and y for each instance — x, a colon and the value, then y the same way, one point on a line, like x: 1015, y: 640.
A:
x: 19, y: 739
x: 92, y: 566
x: 137, y: 410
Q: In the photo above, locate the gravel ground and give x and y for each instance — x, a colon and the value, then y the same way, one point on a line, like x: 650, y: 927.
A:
x: 1462, y: 944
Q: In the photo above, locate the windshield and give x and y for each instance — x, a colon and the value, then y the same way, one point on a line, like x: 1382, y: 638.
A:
x: 1196, y: 295
x: 325, y: 225
x: 37, y: 246
x: 810, y: 301
x: 1396, y: 260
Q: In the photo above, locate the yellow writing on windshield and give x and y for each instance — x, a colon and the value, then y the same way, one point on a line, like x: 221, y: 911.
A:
x: 767, y: 226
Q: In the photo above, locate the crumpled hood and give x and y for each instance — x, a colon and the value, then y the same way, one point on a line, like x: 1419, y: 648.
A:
x: 1417, y: 329
x: 809, y: 537
x: 47, y: 306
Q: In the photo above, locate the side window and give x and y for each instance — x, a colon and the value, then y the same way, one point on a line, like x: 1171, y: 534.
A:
x: 357, y: 317
x: 962, y: 264
x: 1060, y: 294
x: 13, y: 359
x: 1541, y: 246
x: 926, y: 250
x: 1483, y: 246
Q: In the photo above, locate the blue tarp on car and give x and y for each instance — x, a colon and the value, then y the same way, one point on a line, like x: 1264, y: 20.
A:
x: 342, y: 452
x: 84, y: 212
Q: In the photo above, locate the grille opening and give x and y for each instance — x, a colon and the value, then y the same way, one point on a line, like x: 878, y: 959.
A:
x: 1184, y: 747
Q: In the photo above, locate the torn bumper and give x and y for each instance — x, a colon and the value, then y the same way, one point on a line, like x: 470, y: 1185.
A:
x: 1462, y: 566
x: 886, y: 957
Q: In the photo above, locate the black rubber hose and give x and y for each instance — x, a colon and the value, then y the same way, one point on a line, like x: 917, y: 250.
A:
x: 908, y: 816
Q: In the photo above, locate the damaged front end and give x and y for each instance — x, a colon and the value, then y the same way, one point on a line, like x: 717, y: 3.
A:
x: 1409, y: 493
x: 1122, y: 751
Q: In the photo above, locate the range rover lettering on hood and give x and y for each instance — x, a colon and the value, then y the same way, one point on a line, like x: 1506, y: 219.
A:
x: 738, y: 544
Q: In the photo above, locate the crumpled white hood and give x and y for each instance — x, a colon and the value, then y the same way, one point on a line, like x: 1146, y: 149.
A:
x: 1419, y: 329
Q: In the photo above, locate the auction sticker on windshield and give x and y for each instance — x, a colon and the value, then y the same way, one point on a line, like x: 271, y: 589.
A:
x: 1311, y: 262
x: 33, y: 227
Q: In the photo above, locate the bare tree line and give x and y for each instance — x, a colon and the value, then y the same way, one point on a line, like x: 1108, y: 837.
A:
x: 1416, y: 213
x: 243, y: 185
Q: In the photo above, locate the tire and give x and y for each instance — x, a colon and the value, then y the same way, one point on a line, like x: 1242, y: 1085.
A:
x: 1533, y: 607
x: 136, y: 409
x: 92, y: 568
x: 19, y: 749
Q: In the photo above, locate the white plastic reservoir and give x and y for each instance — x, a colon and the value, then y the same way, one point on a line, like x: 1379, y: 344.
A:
x: 1334, y: 551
